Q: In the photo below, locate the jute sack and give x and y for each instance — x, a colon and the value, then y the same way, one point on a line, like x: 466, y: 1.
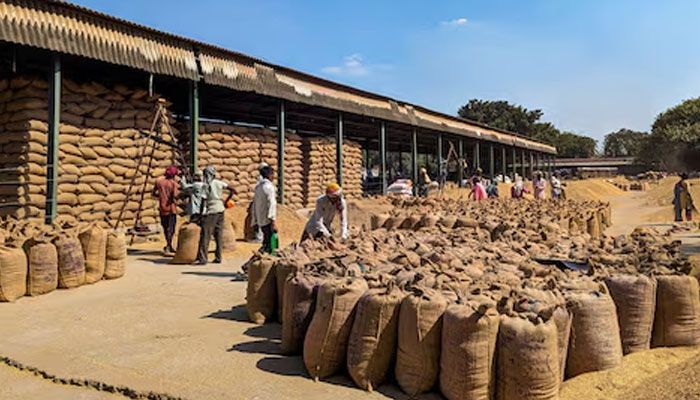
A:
x: 13, y: 272
x: 284, y: 269
x: 228, y: 234
x: 298, y: 309
x: 378, y: 220
x: 94, y: 243
x: 115, y: 266
x: 71, y: 261
x: 528, y: 366
x: 595, y: 333
x: 562, y: 319
x: 261, y: 291
x: 420, y: 332
x: 42, y: 271
x: 468, y: 348
x: 635, y: 299
x: 187, y: 244
x: 372, y: 343
x: 677, y: 321
x: 326, y: 339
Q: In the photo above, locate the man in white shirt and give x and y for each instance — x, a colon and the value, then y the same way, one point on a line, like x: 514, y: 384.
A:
x: 327, y: 206
x: 265, y: 207
x: 212, y: 210
x: 195, y: 191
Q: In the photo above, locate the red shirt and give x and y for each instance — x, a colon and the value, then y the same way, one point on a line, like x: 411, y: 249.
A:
x: 167, y: 191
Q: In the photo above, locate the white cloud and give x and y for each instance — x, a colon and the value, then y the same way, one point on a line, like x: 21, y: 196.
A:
x: 454, y: 22
x: 354, y: 65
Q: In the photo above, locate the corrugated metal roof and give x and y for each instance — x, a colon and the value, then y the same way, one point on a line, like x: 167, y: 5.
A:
x: 63, y: 27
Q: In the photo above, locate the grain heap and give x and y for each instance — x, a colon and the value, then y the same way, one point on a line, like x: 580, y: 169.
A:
x: 432, y: 304
x: 36, y: 259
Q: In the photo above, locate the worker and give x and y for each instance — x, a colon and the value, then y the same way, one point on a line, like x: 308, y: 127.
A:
x: 265, y: 208
x: 477, y: 174
x: 556, y: 190
x: 212, y: 210
x: 258, y: 232
x: 166, y: 190
x: 518, y: 190
x: 327, y: 206
x: 492, y: 189
x: 478, y: 192
x: 539, y: 185
x: 682, y: 199
x: 195, y: 191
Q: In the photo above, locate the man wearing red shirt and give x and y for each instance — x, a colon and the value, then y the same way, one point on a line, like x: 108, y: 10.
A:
x: 167, y: 191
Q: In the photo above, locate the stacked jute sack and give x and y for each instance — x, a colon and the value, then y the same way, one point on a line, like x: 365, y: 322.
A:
x: 320, y: 168
x: 590, y: 217
x: 37, y: 259
x: 189, y: 236
x: 237, y: 151
x: 471, y: 313
x: 99, y: 145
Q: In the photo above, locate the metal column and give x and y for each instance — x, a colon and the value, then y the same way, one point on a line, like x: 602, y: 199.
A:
x: 532, y: 165
x: 52, y: 140
x: 522, y: 164
x: 439, y: 154
x: 414, y: 159
x: 382, y: 154
x: 504, y: 162
x: 477, y: 156
x: 460, y: 163
x: 339, y: 149
x: 515, y: 164
x: 492, y: 161
x: 281, y: 129
x: 194, y: 126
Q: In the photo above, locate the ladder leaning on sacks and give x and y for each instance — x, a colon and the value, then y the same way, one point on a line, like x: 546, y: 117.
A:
x: 151, y: 138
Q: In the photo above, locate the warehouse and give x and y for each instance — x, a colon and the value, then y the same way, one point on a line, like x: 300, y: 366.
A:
x: 79, y: 93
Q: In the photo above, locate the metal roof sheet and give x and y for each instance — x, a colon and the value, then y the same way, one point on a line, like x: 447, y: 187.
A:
x: 64, y: 27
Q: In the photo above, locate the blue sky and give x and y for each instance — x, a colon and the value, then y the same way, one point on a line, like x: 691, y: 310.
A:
x: 593, y: 66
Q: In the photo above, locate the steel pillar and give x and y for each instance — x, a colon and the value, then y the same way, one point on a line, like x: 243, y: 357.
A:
x: 460, y: 164
x: 477, y: 156
x: 281, y: 129
x: 515, y: 164
x: 492, y: 161
x: 52, y: 139
x: 522, y: 164
x: 194, y: 126
x: 439, y: 155
x: 532, y: 165
x: 414, y: 159
x: 504, y: 162
x: 382, y: 154
x: 339, y: 149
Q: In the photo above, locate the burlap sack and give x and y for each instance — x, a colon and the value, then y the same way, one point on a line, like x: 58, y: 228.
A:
x: 115, y: 266
x: 528, y: 366
x: 595, y: 333
x: 42, y: 272
x: 635, y: 299
x: 187, y: 244
x: 71, y: 261
x: 468, y: 349
x: 94, y: 243
x: 677, y: 321
x: 562, y: 319
x: 284, y: 269
x: 326, y: 339
x: 261, y: 290
x: 372, y: 342
x: 298, y: 309
x: 228, y: 234
x: 420, y: 331
x: 13, y: 273
x: 378, y: 220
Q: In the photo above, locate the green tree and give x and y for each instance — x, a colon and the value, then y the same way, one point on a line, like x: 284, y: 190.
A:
x: 624, y: 143
x: 674, y: 142
x: 571, y: 145
x: 502, y: 115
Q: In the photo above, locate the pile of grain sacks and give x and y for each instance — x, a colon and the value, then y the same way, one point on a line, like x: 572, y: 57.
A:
x: 468, y: 310
x: 320, y: 168
x: 36, y: 259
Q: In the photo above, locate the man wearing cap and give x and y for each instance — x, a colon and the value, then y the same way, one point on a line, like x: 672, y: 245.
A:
x: 212, y: 210
x: 195, y: 191
x: 265, y: 208
x: 327, y: 206
x: 166, y: 191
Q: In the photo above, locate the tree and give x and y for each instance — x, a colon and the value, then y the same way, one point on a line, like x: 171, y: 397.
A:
x: 571, y: 145
x: 501, y: 115
x: 674, y: 142
x: 624, y: 143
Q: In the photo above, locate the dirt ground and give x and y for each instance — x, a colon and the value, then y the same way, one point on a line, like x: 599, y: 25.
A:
x: 181, y: 331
